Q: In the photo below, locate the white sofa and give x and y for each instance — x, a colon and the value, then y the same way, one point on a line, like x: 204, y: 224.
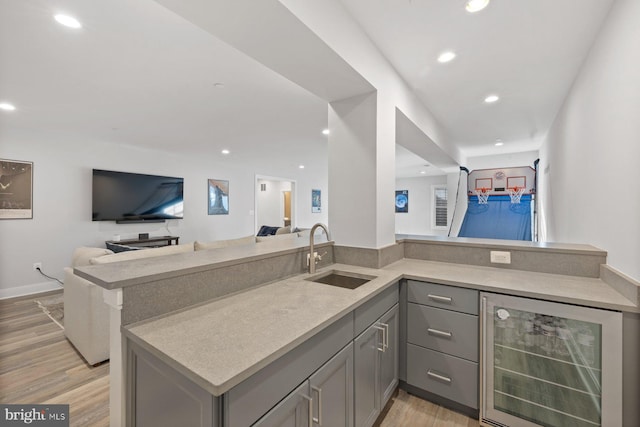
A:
x: 86, y: 315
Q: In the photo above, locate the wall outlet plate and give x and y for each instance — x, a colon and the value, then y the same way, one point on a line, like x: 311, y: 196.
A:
x: 37, y: 265
x: 500, y: 257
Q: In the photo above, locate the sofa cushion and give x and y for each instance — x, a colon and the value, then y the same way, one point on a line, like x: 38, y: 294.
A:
x: 201, y: 246
x: 147, y: 253
x: 277, y: 237
x: 83, y: 255
x: 283, y: 230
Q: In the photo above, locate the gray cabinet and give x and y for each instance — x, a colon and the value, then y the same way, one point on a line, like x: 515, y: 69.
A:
x: 375, y: 367
x: 332, y: 391
x: 293, y: 411
x: 325, y: 399
x: 443, y: 341
x: 159, y: 396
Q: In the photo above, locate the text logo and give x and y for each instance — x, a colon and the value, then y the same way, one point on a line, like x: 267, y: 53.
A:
x: 34, y: 415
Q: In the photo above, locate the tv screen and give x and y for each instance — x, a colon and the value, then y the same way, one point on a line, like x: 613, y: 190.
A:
x: 133, y: 197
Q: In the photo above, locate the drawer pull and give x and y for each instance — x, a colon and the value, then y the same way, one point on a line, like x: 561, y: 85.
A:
x: 439, y: 333
x: 440, y: 298
x: 438, y: 376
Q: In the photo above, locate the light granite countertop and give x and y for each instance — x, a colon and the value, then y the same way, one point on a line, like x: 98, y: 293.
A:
x: 223, y: 342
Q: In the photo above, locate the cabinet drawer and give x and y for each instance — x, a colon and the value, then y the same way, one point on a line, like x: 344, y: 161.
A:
x: 447, y: 376
x: 443, y: 296
x: 445, y: 331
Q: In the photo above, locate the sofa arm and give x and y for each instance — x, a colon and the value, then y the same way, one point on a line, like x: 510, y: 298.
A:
x: 86, y: 318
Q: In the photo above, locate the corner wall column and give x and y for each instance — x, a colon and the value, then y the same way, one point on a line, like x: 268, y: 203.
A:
x: 362, y: 171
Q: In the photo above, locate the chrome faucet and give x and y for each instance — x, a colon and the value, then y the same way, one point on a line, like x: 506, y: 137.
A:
x: 314, y: 258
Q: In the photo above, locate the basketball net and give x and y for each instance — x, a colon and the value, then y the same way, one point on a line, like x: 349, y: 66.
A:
x: 515, y: 193
x: 483, y: 195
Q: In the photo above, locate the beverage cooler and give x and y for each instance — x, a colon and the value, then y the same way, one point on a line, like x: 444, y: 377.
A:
x: 549, y: 364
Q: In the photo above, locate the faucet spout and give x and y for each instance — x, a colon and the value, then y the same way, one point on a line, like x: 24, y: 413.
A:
x: 313, y: 259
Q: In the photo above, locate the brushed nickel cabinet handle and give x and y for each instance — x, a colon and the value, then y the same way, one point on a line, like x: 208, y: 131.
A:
x: 439, y: 333
x: 438, y: 376
x: 381, y: 329
x: 310, y: 400
x: 318, y: 390
x: 440, y: 298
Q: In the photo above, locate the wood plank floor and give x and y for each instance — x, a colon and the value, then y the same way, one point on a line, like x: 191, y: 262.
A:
x: 39, y: 366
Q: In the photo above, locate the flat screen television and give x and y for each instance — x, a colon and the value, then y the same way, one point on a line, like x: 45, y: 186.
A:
x: 132, y: 197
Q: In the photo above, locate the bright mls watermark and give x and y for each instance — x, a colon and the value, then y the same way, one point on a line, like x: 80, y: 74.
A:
x: 34, y: 415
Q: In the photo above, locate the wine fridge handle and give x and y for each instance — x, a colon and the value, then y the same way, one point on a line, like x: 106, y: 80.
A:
x: 483, y: 356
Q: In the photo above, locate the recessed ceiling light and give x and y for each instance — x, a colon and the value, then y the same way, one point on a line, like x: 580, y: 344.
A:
x: 218, y: 85
x: 301, y: 166
x: 499, y: 144
x: 225, y: 151
x: 491, y: 98
x: 446, y: 56
x: 6, y: 106
x: 326, y: 131
x: 476, y: 5
x: 423, y: 172
x: 68, y: 21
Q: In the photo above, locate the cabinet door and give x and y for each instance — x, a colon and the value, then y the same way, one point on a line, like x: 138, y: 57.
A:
x: 389, y: 357
x: 332, y: 391
x: 292, y: 411
x: 368, y: 346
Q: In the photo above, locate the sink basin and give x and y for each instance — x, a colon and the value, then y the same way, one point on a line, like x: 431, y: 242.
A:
x: 342, y: 279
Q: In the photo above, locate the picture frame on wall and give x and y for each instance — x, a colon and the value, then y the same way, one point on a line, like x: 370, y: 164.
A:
x: 316, y: 201
x: 16, y: 189
x: 218, y: 196
x: 402, y: 201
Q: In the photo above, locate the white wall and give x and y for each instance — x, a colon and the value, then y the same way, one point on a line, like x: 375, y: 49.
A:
x: 62, y: 200
x: 589, y: 161
x: 418, y: 219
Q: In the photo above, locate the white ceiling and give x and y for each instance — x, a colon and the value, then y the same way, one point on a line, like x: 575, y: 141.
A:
x: 138, y: 74
x: 527, y: 52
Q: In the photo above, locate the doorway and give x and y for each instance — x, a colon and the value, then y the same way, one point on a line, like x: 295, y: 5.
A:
x: 274, y: 202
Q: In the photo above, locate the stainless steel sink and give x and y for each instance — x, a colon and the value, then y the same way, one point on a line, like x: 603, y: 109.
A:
x: 342, y: 279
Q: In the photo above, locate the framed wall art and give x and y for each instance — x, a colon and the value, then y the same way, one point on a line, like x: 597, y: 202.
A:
x: 16, y: 189
x: 218, y: 197
x: 316, y: 201
x: 402, y: 201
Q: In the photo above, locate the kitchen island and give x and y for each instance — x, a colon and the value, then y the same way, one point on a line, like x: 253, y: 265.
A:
x: 221, y: 343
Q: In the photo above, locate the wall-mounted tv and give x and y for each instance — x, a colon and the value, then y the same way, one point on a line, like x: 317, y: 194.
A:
x: 133, y: 197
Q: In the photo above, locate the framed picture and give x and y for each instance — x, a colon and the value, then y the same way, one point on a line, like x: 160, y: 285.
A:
x: 218, y: 197
x: 402, y: 201
x: 16, y: 189
x: 316, y: 201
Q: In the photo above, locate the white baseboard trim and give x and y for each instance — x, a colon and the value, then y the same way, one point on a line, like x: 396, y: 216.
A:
x: 34, y: 288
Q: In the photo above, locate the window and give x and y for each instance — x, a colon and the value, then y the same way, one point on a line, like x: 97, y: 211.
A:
x: 439, y: 212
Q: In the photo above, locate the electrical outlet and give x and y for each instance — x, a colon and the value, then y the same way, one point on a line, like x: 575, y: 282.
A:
x: 499, y: 257
x: 37, y: 265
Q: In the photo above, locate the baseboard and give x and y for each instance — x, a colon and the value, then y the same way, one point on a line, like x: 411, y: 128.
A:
x: 35, y: 288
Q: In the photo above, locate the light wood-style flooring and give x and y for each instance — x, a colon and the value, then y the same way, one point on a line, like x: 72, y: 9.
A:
x: 39, y: 366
